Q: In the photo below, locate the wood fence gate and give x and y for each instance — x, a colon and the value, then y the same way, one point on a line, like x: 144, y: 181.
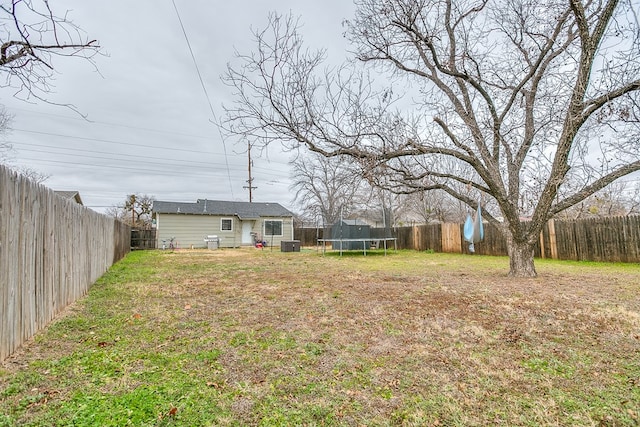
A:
x: 143, y: 238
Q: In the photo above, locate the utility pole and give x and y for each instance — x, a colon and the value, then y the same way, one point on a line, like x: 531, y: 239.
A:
x: 132, y: 202
x: 250, y: 180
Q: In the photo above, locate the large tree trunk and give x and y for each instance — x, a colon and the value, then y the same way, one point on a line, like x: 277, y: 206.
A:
x: 521, y: 259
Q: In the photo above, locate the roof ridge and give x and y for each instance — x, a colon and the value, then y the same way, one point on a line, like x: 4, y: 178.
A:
x: 223, y: 207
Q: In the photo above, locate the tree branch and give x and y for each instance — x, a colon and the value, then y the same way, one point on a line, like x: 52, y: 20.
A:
x: 594, y: 187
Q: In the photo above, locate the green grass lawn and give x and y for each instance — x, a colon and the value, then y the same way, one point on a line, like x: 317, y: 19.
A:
x: 250, y: 337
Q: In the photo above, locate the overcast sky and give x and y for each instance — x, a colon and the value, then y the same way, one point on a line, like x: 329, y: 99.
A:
x: 150, y: 126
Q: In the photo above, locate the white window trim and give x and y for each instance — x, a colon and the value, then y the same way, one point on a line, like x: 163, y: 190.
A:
x: 226, y: 219
x: 264, y: 227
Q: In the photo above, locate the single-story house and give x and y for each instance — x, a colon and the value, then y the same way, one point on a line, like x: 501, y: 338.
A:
x: 235, y: 223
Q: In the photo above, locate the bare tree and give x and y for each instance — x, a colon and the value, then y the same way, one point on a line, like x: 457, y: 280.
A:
x: 388, y: 204
x: 325, y: 186
x: 5, y: 127
x: 617, y: 199
x: 32, y: 34
x: 7, y: 149
x: 633, y: 200
x: 135, y: 210
x: 118, y: 212
x: 32, y: 174
x: 511, y: 99
x: 436, y: 206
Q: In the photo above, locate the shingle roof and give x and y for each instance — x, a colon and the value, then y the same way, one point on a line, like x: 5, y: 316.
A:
x: 74, y: 195
x: 243, y: 210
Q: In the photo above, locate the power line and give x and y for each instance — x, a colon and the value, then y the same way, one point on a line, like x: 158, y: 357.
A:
x: 114, y: 142
x: 169, y: 171
x: 109, y: 141
x: 165, y: 172
x: 161, y: 131
x: 138, y: 159
x: 127, y: 156
x: 204, y: 89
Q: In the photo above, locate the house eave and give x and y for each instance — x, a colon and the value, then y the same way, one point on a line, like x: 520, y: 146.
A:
x: 248, y: 218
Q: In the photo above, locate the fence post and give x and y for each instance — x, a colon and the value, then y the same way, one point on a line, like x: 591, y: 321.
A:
x: 553, y: 247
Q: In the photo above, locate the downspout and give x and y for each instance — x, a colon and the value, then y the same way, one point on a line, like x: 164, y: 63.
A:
x: 157, y: 230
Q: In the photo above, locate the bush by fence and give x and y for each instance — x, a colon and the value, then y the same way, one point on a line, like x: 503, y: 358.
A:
x: 51, y: 251
x: 614, y: 239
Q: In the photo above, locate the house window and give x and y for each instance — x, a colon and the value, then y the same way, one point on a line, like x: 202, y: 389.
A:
x: 273, y: 227
x: 226, y: 224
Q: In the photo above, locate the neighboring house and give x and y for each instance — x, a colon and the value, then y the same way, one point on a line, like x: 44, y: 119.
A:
x: 235, y: 223
x: 71, y: 195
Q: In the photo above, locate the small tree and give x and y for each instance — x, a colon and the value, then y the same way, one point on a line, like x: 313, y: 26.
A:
x: 5, y: 127
x: 511, y: 99
x: 135, y: 210
x: 6, y: 150
x: 32, y: 174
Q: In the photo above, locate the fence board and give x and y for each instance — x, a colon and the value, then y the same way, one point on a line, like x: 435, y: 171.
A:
x: 553, y: 243
x: 631, y: 231
x: 9, y: 260
x: 403, y: 238
x: 51, y: 251
x: 4, y: 260
x: 451, y: 238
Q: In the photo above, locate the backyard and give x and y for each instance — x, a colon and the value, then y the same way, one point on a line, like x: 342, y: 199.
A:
x: 251, y: 337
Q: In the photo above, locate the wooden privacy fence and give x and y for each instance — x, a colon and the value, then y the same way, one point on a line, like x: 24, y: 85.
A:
x: 143, y: 238
x: 51, y: 250
x: 613, y: 239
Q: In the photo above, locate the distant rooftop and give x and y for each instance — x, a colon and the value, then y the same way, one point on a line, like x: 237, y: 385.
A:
x: 73, y: 195
x: 352, y: 222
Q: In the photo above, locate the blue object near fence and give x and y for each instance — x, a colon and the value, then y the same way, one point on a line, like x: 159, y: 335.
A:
x: 473, y: 229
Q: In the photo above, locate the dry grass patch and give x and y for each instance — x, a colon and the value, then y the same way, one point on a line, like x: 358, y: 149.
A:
x: 247, y: 337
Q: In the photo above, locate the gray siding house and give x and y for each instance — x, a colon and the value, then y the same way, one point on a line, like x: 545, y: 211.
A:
x: 235, y: 223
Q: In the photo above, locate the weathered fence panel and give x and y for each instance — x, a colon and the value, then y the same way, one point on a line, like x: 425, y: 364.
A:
x: 308, y: 236
x: 451, y: 238
x: 51, y: 251
x: 614, y: 239
x: 403, y: 237
x: 143, y: 238
x: 419, y: 237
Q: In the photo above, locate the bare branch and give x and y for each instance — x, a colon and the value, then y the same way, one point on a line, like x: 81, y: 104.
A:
x: 32, y: 35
